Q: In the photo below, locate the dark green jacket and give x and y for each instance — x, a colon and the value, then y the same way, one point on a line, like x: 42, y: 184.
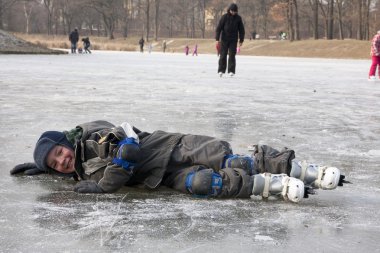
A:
x: 95, y: 149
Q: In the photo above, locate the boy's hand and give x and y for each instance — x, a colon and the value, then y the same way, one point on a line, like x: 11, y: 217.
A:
x: 87, y: 187
x: 28, y: 169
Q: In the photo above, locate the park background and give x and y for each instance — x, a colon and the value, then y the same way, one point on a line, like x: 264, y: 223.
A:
x: 314, y: 28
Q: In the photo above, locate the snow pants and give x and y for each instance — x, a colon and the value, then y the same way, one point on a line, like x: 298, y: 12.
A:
x: 227, y: 47
x: 195, y: 153
x: 374, y: 65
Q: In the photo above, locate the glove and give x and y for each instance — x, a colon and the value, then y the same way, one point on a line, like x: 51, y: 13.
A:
x: 87, y: 187
x: 127, y: 154
x: 28, y: 169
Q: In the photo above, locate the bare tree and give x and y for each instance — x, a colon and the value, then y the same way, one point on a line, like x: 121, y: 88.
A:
x: 109, y: 13
x: 202, y: 16
x: 5, y: 5
x: 339, y: 7
x: 330, y: 20
x: 315, y: 7
x: 28, y: 8
x: 147, y: 20
x: 156, y: 19
x: 289, y: 15
x: 367, y: 5
x: 49, y: 6
x: 296, y: 21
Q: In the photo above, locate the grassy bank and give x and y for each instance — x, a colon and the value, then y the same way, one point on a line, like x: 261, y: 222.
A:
x: 340, y: 49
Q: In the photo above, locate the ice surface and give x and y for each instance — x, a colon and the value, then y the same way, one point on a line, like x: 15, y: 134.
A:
x: 324, y: 109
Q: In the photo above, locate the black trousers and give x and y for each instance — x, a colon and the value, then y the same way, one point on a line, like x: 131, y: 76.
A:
x: 227, y: 47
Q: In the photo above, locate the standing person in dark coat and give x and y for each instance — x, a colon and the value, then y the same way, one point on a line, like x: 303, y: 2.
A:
x: 74, y: 38
x: 105, y: 157
x: 230, y: 30
x: 141, y: 43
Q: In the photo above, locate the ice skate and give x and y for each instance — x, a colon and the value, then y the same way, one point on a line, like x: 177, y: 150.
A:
x: 220, y: 74
x: 231, y: 74
x: 288, y: 188
x: 242, y: 162
x: 372, y: 78
x: 318, y: 177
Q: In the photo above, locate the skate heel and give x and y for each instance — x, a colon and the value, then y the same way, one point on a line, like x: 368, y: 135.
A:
x: 266, y: 185
x: 318, y: 177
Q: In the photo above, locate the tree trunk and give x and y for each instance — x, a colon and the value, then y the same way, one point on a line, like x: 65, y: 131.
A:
x: 124, y: 19
x: 324, y: 14
x: 339, y: 7
x: 27, y: 14
x: 1, y: 14
x: 289, y: 14
x: 367, y: 9
x: 192, y: 21
x: 157, y: 5
x: 296, y: 20
x: 330, y: 20
x: 316, y: 30
x: 147, y: 19
x: 360, y: 19
x: 202, y: 7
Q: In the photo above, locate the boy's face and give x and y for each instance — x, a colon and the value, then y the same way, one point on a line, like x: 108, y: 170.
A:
x: 61, y: 159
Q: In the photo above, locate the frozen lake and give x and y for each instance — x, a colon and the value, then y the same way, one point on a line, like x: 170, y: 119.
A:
x: 325, y: 110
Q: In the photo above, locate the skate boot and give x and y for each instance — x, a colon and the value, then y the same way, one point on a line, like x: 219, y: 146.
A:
x: 240, y: 161
x: 288, y: 188
x: 318, y: 177
x: 220, y: 74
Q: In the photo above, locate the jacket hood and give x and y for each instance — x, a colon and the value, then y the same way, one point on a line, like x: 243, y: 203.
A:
x: 232, y: 7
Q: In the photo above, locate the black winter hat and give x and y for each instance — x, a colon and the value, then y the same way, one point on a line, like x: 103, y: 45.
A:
x: 233, y: 7
x: 45, y: 143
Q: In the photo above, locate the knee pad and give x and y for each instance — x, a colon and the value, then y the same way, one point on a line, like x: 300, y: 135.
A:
x: 204, y: 183
x: 240, y: 161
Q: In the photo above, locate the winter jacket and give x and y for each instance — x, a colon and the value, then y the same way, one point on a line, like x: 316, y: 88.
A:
x: 95, y: 149
x: 86, y: 43
x: 74, y: 37
x: 375, y: 45
x: 231, y: 28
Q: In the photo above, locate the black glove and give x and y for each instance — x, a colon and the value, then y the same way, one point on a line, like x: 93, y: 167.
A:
x: 29, y: 169
x: 87, y: 187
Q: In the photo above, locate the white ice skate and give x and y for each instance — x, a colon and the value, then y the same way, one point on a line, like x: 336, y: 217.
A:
x: 318, y: 177
x: 231, y: 74
x: 267, y: 184
x: 372, y: 78
x: 220, y: 74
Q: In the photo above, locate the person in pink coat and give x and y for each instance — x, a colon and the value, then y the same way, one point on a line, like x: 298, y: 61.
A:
x: 375, y: 54
x: 195, y: 51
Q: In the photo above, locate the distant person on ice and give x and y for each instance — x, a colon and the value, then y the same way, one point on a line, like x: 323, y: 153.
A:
x: 229, y: 31
x: 74, y: 38
x: 86, y: 45
x: 195, y: 50
x: 141, y: 43
x: 164, y: 46
x: 375, y: 55
x: 105, y: 157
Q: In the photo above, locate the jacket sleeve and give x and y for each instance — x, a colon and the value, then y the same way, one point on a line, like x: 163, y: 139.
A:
x: 219, y: 28
x: 241, y: 31
x: 114, y: 178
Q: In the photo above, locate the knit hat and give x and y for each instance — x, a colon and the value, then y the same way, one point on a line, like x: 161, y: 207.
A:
x: 233, y: 7
x: 45, y: 144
